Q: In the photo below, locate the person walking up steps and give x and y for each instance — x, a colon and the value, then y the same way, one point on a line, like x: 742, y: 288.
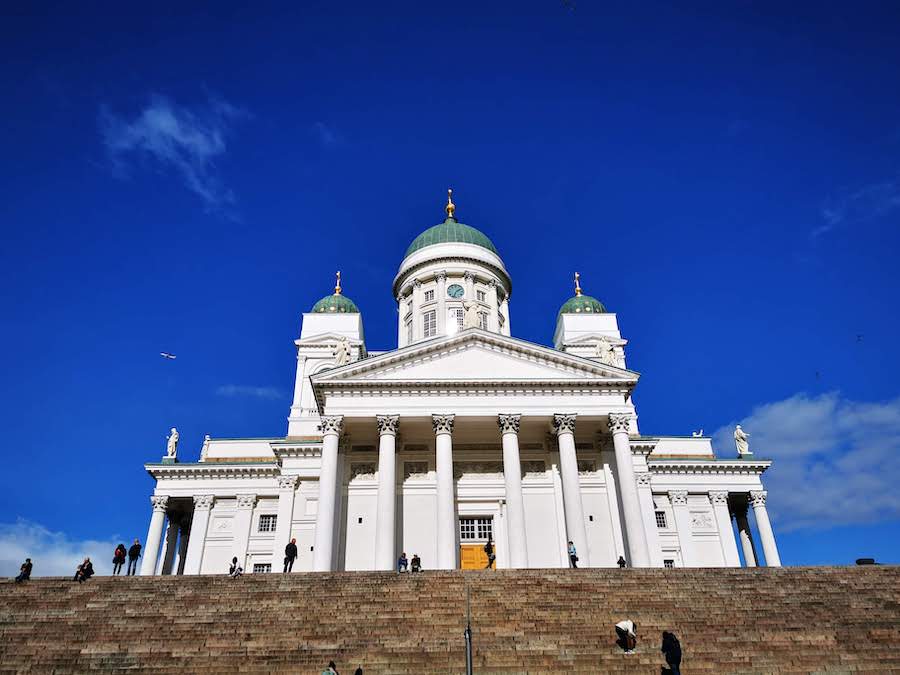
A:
x: 489, y: 550
x: 290, y: 555
x: 133, y: 554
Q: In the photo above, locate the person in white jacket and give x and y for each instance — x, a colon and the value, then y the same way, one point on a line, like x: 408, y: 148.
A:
x: 627, y: 635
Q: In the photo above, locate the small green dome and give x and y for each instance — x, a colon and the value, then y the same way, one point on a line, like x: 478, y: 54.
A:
x: 336, y: 303
x: 451, y: 231
x: 582, y: 304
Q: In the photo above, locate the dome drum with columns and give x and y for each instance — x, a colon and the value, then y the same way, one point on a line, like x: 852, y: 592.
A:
x: 460, y: 434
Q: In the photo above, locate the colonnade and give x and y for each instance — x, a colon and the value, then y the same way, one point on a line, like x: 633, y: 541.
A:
x: 445, y: 533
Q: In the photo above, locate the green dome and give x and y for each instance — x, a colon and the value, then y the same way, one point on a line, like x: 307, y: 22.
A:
x: 451, y: 231
x: 582, y: 304
x: 336, y: 303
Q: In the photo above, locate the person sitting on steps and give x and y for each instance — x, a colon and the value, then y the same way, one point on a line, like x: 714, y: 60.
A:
x: 24, y: 571
x: 402, y: 563
x: 85, y: 571
x: 235, y: 570
x: 331, y: 669
x: 489, y: 550
x: 416, y: 563
x: 621, y: 563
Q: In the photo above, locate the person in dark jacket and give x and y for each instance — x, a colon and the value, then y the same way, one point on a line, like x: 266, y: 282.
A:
x: 24, y: 571
x: 235, y: 570
x: 119, y: 558
x: 416, y: 563
x: 85, y: 571
x: 290, y: 555
x: 671, y: 648
x: 621, y: 563
x: 133, y: 554
x: 489, y: 551
x: 402, y: 563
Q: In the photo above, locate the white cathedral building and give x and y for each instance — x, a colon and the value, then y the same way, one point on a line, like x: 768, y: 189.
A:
x: 461, y: 434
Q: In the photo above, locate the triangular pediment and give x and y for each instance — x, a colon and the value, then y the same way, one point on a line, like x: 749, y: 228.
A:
x: 475, y: 356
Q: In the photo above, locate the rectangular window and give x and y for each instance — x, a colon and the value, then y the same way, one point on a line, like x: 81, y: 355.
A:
x: 429, y: 296
x: 476, y: 529
x: 482, y: 320
x: 267, y: 523
x: 429, y: 324
x: 456, y: 315
x: 480, y: 295
x: 669, y: 564
x: 661, y: 519
x: 262, y: 568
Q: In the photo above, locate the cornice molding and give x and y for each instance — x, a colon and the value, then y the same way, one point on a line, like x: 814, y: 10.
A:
x: 711, y: 466
x: 214, y: 471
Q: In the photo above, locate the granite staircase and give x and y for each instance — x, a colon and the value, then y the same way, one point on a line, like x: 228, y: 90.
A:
x: 788, y: 620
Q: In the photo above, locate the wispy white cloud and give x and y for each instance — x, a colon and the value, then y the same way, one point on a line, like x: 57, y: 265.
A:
x: 867, y: 203
x: 188, y: 140
x: 52, y: 553
x: 835, y: 460
x: 327, y: 135
x: 251, y: 391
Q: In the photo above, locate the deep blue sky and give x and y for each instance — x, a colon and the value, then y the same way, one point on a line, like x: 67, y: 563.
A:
x: 725, y: 177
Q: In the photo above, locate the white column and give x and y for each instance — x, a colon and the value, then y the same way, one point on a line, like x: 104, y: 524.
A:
x: 154, y: 534
x: 287, y: 490
x: 493, y: 322
x: 743, y: 525
x: 470, y: 285
x: 515, y: 502
x: 441, y: 297
x: 719, y: 499
x: 638, y: 554
x: 446, y: 508
x: 167, y: 559
x: 401, y: 313
x: 560, y: 506
x: 385, y: 525
x: 417, y: 310
x: 243, y: 519
x: 564, y: 425
x: 679, y: 500
x: 323, y: 549
x: 766, y: 536
x: 648, y: 511
x: 197, y: 540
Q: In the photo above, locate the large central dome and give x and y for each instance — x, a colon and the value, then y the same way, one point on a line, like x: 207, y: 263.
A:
x: 451, y: 231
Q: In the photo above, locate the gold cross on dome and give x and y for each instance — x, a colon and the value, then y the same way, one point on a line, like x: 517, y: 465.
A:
x: 451, y: 207
x: 337, y: 285
x: 577, y: 285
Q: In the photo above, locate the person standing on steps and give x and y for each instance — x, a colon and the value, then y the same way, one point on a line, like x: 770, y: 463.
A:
x: 671, y: 648
x: 573, y: 556
x: 119, y: 559
x: 621, y: 563
x: 627, y: 633
x: 290, y: 555
x: 402, y: 563
x: 489, y: 550
x: 133, y: 554
x: 24, y: 571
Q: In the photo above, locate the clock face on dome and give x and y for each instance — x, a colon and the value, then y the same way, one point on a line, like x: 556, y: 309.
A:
x: 455, y: 291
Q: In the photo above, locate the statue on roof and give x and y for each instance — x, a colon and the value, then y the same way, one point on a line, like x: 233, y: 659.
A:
x: 606, y: 353
x: 342, y: 352
x: 741, y: 442
x: 172, y: 443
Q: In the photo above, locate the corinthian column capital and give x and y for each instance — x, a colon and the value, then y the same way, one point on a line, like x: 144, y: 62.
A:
x: 718, y: 496
x: 619, y: 422
x: 758, y: 498
x: 442, y: 424
x: 203, y: 502
x: 159, y: 502
x: 509, y: 424
x: 388, y: 424
x: 564, y: 424
x: 333, y: 424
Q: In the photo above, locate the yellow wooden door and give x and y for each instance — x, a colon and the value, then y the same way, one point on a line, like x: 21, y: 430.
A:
x: 473, y: 557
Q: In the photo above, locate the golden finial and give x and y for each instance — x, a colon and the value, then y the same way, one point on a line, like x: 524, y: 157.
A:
x: 337, y: 286
x: 577, y: 285
x: 451, y: 207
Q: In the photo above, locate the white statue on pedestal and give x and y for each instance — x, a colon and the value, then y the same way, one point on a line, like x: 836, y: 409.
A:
x: 607, y: 353
x: 205, y: 448
x: 471, y: 318
x: 172, y: 444
x: 740, y: 440
x: 342, y: 352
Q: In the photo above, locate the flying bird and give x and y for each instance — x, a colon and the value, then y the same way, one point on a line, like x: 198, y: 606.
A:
x: 167, y: 355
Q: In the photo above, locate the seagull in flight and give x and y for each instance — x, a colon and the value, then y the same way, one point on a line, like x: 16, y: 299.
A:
x: 167, y: 355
